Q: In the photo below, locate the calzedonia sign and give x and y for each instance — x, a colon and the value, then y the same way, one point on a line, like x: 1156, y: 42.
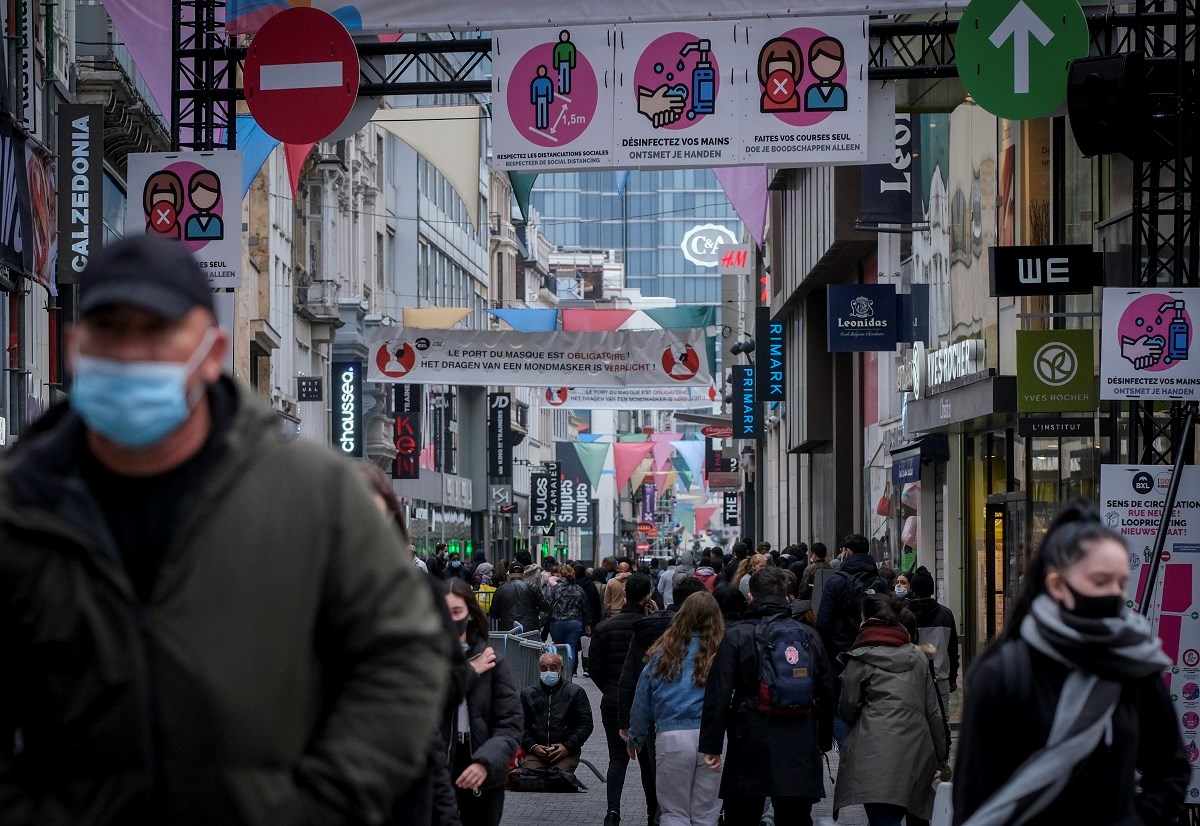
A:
x: 80, y: 187
x: 347, y: 408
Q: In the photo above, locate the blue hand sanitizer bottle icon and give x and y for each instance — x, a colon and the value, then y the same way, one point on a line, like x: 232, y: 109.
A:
x: 1178, y: 332
x: 704, y: 79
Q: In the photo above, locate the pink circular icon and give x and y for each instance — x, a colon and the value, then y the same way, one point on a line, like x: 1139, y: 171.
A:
x: 1191, y: 720
x: 1191, y: 658
x: 552, y: 93
x: 1155, y: 332
x: 183, y: 201
x: 802, y: 77
x: 677, y: 81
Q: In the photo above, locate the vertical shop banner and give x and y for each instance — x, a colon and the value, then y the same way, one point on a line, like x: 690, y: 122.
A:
x: 1145, y: 344
x: 347, y: 409
x: 500, y: 435
x: 862, y: 317
x: 1131, y: 499
x: 15, y: 217
x: 575, y: 491
x: 730, y: 510
x: 42, y: 253
x: 649, y: 502
x: 769, y: 357
x: 747, y: 412
x: 80, y: 187
x: 676, y: 105
x: 806, y: 101
x: 27, y: 86
x: 406, y: 402
x: 890, y: 192
x: 1055, y: 371
x: 541, y: 512
x: 195, y: 198
x: 553, y: 98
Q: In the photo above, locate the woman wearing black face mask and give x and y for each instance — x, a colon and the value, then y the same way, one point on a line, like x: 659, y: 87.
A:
x: 1068, y: 706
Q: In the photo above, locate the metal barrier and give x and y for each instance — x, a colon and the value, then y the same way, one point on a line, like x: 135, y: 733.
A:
x: 523, y: 650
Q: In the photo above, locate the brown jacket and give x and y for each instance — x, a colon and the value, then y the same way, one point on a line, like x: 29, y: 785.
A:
x: 614, y: 594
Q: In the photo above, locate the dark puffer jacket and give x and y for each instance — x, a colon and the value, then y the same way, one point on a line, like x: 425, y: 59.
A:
x: 567, y: 601
x: 516, y: 601
x: 611, y: 640
x: 494, y: 709
x: 556, y: 715
x: 838, y: 619
x: 646, y: 632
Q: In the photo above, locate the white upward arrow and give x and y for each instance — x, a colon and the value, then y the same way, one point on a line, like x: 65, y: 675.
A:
x: 1021, y: 24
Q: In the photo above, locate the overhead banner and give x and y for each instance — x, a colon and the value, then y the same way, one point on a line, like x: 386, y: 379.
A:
x: 787, y: 92
x: 747, y: 412
x: 80, y: 187
x: 407, y: 406
x: 1146, y: 343
x: 1055, y: 371
x: 1055, y: 270
x: 862, y: 317
x: 890, y: 192
x: 623, y: 358
x: 769, y: 357
x: 575, y: 491
x: 347, y: 419
x: 500, y: 435
x: 541, y: 512
x: 194, y: 198
x: 246, y: 16
x: 630, y: 398
x: 1132, y: 499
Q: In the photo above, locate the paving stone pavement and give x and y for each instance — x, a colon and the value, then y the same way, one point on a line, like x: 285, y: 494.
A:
x: 527, y: 809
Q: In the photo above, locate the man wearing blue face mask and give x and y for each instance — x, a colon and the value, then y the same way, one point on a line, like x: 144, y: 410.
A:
x: 205, y: 622
x: 558, y: 719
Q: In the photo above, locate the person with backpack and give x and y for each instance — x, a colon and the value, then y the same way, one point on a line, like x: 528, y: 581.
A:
x: 897, y: 739
x: 1067, y: 716
x: 668, y: 705
x: 771, y: 690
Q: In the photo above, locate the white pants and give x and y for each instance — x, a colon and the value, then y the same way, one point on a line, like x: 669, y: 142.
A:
x: 687, y: 789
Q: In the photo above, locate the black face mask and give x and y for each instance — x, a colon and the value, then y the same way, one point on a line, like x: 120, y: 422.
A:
x: 1089, y: 607
x: 460, y: 626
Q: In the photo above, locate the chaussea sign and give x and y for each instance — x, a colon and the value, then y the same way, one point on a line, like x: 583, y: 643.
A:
x: 625, y: 358
x: 347, y: 407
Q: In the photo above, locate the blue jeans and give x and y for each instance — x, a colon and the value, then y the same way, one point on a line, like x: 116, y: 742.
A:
x: 568, y: 632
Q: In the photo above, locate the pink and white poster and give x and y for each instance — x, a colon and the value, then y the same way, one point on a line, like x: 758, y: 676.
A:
x: 1132, y: 498
x: 553, y: 99
x: 1146, y: 342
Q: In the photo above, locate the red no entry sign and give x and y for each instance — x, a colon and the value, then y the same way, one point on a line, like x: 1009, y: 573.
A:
x: 301, y: 76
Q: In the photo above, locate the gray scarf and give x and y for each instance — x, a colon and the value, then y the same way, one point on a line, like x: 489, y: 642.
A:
x: 1101, y: 655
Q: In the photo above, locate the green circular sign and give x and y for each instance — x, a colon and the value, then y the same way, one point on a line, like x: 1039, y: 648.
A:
x: 1013, y: 56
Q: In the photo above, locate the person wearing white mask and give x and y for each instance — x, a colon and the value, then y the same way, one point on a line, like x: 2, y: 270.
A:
x: 558, y: 718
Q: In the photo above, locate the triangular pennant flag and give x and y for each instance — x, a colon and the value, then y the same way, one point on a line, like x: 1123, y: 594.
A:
x: 669, y: 478
x: 622, y: 181
x: 632, y: 437
x: 593, y: 321
x: 685, y: 515
x: 704, y: 515
x: 434, y: 318
x: 639, y: 475
x: 639, y: 321
x: 256, y: 146
x: 525, y: 320
x: 522, y: 185
x: 746, y: 189
x: 685, y: 475
x: 144, y: 26
x: 682, y: 318
x: 592, y: 457
x: 626, y: 457
x: 665, y: 436
x: 297, y: 154
x: 662, y: 453
x: 692, y: 452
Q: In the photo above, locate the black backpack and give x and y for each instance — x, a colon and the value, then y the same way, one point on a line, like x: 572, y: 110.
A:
x: 786, y: 683
x: 849, y: 608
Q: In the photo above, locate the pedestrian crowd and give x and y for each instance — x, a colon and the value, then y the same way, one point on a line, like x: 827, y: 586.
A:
x: 205, y: 620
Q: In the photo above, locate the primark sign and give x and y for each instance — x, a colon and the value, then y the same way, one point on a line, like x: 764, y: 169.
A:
x: 929, y: 370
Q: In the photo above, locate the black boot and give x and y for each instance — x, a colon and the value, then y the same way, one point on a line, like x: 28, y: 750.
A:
x: 612, y: 819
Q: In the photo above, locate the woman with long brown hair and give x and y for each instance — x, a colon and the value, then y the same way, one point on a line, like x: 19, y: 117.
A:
x: 670, y: 697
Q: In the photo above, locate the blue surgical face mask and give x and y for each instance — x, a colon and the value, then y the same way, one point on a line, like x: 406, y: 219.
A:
x: 901, y: 591
x: 550, y: 678
x: 135, y: 404
x: 456, y: 564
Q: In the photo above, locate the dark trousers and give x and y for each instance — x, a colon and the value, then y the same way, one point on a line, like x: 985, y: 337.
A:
x: 618, y: 762
x: 789, y: 811
x: 484, y: 810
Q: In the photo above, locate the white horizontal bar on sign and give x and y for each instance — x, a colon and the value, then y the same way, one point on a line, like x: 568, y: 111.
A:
x: 300, y: 76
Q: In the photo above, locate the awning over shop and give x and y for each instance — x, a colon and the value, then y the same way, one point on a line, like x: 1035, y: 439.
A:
x: 927, y: 450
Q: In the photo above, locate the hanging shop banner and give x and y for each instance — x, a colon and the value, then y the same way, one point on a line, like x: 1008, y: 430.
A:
x: 41, y: 256
x: 747, y: 412
x: 500, y: 435
x: 623, y: 358
x: 575, y: 490
x: 861, y: 317
x: 554, y: 104
x: 541, y: 514
x: 1055, y: 371
x: 347, y: 412
x: 890, y: 191
x: 81, y: 187
x: 1145, y: 345
x: 1069, y: 269
x: 730, y: 509
x: 630, y: 398
x: 1132, y: 498
x: 806, y: 101
x: 407, y: 436
x: 15, y: 217
x: 193, y: 197
x: 769, y: 356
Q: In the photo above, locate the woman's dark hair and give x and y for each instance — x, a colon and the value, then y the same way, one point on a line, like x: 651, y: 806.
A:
x: 730, y: 599
x: 477, y: 621
x: 882, y: 609
x: 381, y: 486
x: 1061, y: 548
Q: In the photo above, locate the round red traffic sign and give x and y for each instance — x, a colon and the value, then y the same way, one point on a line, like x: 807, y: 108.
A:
x: 301, y: 75
x: 717, y: 431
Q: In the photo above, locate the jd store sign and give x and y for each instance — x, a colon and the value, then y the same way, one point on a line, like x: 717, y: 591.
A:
x: 1055, y: 371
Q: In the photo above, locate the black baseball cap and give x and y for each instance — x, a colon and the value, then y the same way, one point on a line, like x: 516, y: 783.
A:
x: 158, y: 275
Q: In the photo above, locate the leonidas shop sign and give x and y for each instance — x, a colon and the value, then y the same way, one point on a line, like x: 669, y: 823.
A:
x: 928, y: 370
x: 1055, y: 371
